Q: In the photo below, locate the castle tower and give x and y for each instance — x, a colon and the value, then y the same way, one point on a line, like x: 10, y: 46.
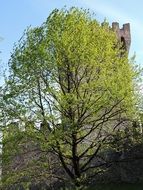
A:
x: 123, y: 34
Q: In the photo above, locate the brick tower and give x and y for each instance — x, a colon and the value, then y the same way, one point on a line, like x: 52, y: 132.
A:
x: 123, y: 34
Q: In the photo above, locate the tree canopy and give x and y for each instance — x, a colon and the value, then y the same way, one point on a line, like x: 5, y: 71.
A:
x: 72, y: 79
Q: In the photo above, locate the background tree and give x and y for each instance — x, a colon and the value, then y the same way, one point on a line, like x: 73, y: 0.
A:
x: 69, y: 77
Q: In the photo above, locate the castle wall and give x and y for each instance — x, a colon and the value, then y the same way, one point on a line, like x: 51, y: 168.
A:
x: 123, y: 34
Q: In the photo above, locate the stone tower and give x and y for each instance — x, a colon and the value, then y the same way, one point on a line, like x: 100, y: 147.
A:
x: 123, y: 34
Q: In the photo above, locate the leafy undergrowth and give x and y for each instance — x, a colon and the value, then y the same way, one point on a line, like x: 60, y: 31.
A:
x: 118, y: 187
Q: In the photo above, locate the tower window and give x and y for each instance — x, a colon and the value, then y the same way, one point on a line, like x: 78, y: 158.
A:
x: 123, y: 42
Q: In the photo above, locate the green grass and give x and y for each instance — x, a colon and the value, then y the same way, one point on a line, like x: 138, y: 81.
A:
x: 119, y: 187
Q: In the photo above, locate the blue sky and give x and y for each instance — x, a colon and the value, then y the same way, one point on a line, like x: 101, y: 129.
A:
x: 16, y: 15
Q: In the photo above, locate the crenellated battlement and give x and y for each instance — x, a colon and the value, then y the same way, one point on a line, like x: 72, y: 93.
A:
x: 123, y: 34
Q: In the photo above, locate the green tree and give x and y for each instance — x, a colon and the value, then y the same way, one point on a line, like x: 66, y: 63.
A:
x: 72, y: 76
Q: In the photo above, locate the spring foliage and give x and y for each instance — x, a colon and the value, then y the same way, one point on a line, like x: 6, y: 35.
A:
x: 71, y: 75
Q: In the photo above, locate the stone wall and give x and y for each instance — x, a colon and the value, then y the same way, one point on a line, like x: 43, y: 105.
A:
x: 123, y: 34
x: 127, y: 168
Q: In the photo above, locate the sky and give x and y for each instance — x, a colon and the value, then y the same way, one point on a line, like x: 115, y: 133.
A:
x: 16, y: 16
